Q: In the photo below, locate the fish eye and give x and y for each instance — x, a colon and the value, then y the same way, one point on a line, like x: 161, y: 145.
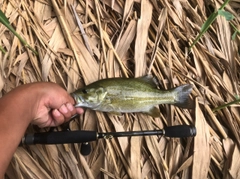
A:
x: 84, y: 91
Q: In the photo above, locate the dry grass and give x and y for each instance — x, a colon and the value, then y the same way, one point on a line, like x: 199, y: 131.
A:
x: 129, y: 39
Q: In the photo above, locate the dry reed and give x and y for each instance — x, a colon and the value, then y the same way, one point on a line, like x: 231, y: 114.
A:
x: 129, y: 39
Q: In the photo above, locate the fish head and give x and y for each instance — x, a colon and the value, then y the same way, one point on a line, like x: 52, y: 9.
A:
x: 89, y: 97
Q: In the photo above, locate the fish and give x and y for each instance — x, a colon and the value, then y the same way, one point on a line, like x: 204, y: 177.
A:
x: 130, y: 95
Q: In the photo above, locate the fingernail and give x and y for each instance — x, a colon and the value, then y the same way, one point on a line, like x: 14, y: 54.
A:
x: 70, y: 106
x: 56, y: 113
x: 64, y: 109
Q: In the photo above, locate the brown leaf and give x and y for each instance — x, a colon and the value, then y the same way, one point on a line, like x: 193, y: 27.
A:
x: 202, y: 153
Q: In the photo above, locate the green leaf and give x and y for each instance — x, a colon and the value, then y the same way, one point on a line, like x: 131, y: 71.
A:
x: 2, y: 49
x: 228, y: 16
x: 234, y: 35
x: 208, y: 22
x: 205, y: 27
x: 226, y: 105
x: 3, y: 18
x: 4, y: 21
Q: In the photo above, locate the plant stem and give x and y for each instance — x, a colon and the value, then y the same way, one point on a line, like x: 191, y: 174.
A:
x: 226, y: 105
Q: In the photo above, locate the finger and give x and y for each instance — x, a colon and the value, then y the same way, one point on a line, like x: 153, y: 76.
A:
x: 66, y: 110
x: 58, y: 117
x: 79, y: 110
x: 71, y: 108
x: 47, y: 122
x: 74, y: 110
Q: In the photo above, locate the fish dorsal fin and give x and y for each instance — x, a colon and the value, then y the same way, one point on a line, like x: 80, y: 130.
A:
x: 150, y: 80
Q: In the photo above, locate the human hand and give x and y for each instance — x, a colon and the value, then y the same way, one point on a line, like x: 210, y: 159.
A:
x: 54, y: 105
x: 43, y: 104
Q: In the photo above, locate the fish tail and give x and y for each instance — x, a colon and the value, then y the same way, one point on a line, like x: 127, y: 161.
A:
x: 182, y: 96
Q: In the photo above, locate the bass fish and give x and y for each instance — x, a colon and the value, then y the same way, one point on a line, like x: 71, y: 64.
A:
x: 127, y: 95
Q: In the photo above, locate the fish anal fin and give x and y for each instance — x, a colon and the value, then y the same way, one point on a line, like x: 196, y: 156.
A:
x: 154, y: 112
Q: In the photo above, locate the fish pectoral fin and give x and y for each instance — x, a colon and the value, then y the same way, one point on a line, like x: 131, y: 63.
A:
x: 154, y: 112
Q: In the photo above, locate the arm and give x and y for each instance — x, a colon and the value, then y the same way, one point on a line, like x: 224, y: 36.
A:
x: 43, y: 104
